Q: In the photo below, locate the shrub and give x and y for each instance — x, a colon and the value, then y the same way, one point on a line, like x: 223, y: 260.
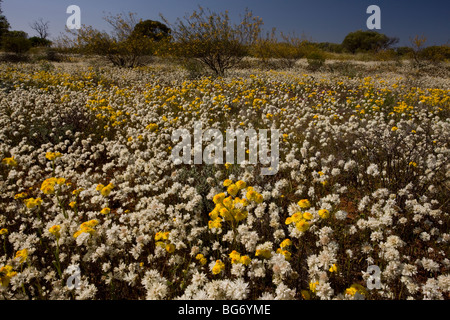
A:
x: 404, y: 51
x: 287, y: 52
x: 386, y: 55
x: 213, y: 40
x: 16, y: 42
x: 435, y: 54
x: 154, y: 30
x: 365, y: 41
x: 344, y: 68
x: 124, y: 47
x: 315, y: 60
x: 40, y: 42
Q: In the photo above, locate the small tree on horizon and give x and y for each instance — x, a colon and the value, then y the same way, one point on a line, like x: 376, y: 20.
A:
x: 367, y: 41
x: 4, y: 25
x: 213, y: 40
x: 122, y: 47
x: 41, y: 27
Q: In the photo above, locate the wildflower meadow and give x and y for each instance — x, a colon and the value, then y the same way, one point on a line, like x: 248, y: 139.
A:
x: 93, y: 206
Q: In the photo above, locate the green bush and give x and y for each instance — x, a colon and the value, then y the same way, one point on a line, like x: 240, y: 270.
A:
x: 435, y: 53
x: 406, y: 52
x: 124, y: 47
x: 16, y: 42
x: 286, y: 52
x: 40, y: 42
x: 213, y: 40
x: 316, y: 60
x: 366, y: 41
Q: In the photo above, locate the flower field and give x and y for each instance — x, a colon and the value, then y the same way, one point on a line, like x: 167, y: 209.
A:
x: 93, y: 207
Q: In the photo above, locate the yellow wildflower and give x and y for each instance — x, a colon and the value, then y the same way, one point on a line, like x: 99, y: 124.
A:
x: 324, y: 213
x: 354, y: 288
x: 22, y: 255
x: 218, y: 198
x: 55, y: 231
x: 259, y: 198
x: 216, y: 223
x: 6, y: 274
x: 232, y: 189
x: 170, y: 248
x: 241, y: 184
x: 10, y: 162
x: 285, y: 253
x: 105, y: 191
x: 218, y: 267
x: 307, y: 216
x: 31, y: 203
x: 235, y: 256
x: 52, y: 155
x: 20, y: 195
x: 333, y: 268
x: 201, y: 258
x: 263, y: 253
x: 312, y: 286
x: 305, y: 295
x: 152, y: 127
x: 304, y: 204
x: 302, y: 225
x: 48, y: 186
x: 286, y: 243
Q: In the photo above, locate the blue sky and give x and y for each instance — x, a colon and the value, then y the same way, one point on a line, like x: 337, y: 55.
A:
x: 319, y: 20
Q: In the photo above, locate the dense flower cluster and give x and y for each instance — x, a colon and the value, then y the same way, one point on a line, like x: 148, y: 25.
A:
x: 88, y: 188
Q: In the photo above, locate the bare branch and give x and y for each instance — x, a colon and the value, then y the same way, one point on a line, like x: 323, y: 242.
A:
x: 41, y: 27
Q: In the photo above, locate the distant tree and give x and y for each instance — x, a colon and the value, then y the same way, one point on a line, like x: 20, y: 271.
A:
x: 41, y: 27
x: 120, y: 47
x: 4, y: 25
x: 404, y: 51
x: 213, y: 40
x: 40, y: 42
x: 16, y: 42
x: 436, y: 54
x: 287, y: 51
x: 330, y: 47
x: 365, y: 41
x: 153, y: 30
x: 417, y: 43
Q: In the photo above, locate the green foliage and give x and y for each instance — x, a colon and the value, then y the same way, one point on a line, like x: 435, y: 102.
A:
x: 4, y: 25
x: 16, y: 42
x: 345, y: 68
x: 330, y: 47
x: 213, y: 40
x: 153, y: 30
x: 40, y: 42
x: 315, y: 60
x: 287, y: 51
x: 124, y: 47
x: 435, y: 53
x: 404, y: 51
x: 367, y: 41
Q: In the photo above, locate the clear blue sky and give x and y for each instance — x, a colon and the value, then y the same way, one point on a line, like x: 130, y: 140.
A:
x: 320, y: 20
